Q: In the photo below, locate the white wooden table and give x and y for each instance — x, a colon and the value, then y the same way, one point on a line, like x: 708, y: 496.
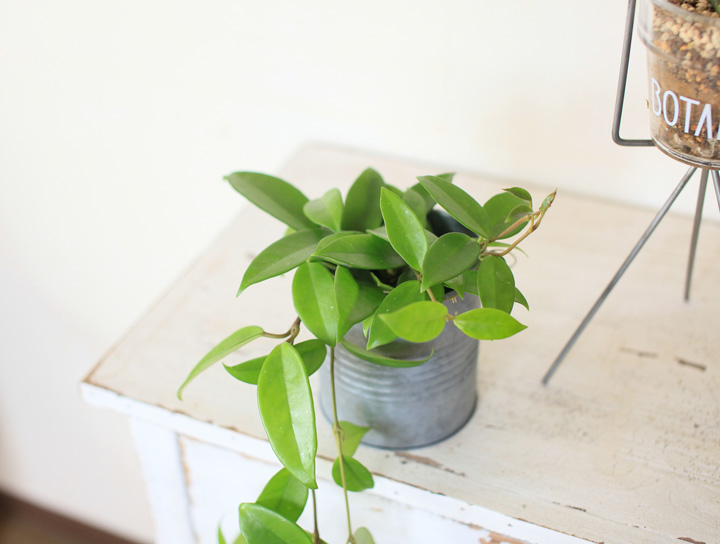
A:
x: 622, y: 447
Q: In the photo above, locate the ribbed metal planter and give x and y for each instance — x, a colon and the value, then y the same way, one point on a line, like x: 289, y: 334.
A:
x: 407, y: 407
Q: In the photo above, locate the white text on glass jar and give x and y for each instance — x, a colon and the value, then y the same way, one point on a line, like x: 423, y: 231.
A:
x: 670, y: 106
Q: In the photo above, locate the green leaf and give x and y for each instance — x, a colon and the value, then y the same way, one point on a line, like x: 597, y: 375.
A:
x: 363, y: 251
x: 496, y: 284
x: 457, y: 284
x: 458, y: 203
x: 362, y: 205
x: 382, y: 360
x: 429, y: 201
x: 380, y: 232
x: 501, y: 208
x: 363, y: 536
x: 520, y: 193
x: 287, y: 412
x: 240, y: 540
x: 404, y: 294
x: 520, y: 299
x: 312, y: 352
x: 357, y: 477
x: 273, y: 195
x: 451, y: 255
x: 548, y: 201
x: 331, y: 238
x: 260, y: 525
x: 416, y: 203
x: 351, y: 436
x: 405, y: 232
x: 355, y: 300
x: 314, y: 299
x: 284, y: 494
x: 220, y: 536
x: 326, y: 210
x: 233, y: 342
x: 282, y: 256
x: 417, y: 322
x: 470, y: 281
x: 488, y: 324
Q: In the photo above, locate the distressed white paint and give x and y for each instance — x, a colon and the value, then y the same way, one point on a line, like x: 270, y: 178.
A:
x: 622, y: 446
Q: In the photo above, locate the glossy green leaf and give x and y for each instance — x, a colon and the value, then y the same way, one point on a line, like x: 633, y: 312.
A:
x: 405, y: 231
x: 355, y: 300
x: 382, y: 360
x: 470, y: 281
x: 240, y: 540
x: 357, y: 477
x: 260, y: 525
x: 282, y: 256
x: 363, y: 251
x: 404, y: 294
x: 363, y: 536
x: 451, y: 255
x: 313, y: 354
x: 380, y: 232
x: 287, y: 412
x: 220, y: 536
x: 273, y: 195
x: 520, y: 299
x: 458, y: 203
x: 427, y: 199
x: 233, y: 342
x: 520, y: 193
x: 417, y: 322
x: 332, y: 237
x: 351, y: 436
x: 326, y: 210
x: 457, y: 284
x: 362, y: 204
x: 496, y: 284
x: 313, y: 294
x: 488, y: 324
x: 500, y: 209
x: 417, y: 204
x: 284, y: 494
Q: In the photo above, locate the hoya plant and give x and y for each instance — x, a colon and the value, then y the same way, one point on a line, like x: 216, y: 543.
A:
x: 384, y: 258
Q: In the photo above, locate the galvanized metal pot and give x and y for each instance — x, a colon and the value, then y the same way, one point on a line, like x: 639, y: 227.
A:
x: 407, y: 407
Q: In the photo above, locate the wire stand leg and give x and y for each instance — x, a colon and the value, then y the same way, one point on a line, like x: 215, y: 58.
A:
x: 695, y: 232
x: 716, y: 181
x: 623, y: 268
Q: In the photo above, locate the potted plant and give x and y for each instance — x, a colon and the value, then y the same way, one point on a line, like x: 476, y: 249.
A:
x: 382, y: 279
x: 683, y: 45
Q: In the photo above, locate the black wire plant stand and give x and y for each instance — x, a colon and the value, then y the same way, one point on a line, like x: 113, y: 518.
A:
x: 705, y: 174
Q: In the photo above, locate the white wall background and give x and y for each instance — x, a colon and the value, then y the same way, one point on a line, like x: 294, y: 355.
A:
x: 119, y: 119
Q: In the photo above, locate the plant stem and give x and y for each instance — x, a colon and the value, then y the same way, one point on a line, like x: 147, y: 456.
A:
x: 316, y: 531
x: 294, y: 328
x: 337, y: 431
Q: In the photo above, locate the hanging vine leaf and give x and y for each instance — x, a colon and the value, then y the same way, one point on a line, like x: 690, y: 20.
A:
x: 260, y: 525
x: 357, y: 477
x: 351, y: 436
x: 488, y: 324
x: 273, y: 195
x: 314, y: 299
x: 363, y: 536
x: 382, y: 360
x: 496, y: 284
x: 520, y: 299
x: 232, y: 343
x: 501, y: 210
x: 417, y: 322
x: 451, y: 255
x: 284, y: 494
x: 406, y: 293
x: 313, y: 354
x: 326, y: 210
x: 287, y: 412
x: 282, y: 256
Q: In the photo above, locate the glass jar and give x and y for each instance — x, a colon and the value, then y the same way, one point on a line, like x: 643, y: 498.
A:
x: 683, y: 55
